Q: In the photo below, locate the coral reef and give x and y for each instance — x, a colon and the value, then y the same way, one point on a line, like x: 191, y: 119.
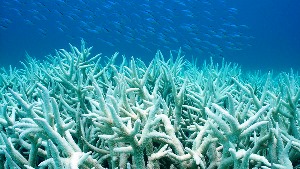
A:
x: 81, y: 111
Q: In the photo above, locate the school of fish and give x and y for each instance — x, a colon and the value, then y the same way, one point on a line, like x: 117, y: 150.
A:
x: 207, y: 27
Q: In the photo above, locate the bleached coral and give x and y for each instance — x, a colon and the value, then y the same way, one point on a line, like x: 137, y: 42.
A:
x: 77, y: 111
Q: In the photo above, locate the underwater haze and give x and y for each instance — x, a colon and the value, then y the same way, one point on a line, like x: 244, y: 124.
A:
x: 258, y: 35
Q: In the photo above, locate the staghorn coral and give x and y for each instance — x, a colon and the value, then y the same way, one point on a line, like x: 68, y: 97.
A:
x: 77, y: 111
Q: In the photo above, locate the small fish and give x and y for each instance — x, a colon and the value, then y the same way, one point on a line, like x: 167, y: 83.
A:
x: 147, y: 25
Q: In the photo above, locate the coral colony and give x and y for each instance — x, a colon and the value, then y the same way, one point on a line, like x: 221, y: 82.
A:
x: 81, y: 111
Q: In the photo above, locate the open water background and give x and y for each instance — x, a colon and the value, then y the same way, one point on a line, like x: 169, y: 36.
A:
x: 258, y: 35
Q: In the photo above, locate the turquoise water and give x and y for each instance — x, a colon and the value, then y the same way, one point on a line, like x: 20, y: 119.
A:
x: 255, y: 34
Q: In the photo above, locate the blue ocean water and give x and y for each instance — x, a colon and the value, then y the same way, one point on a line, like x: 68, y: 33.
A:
x: 258, y: 35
